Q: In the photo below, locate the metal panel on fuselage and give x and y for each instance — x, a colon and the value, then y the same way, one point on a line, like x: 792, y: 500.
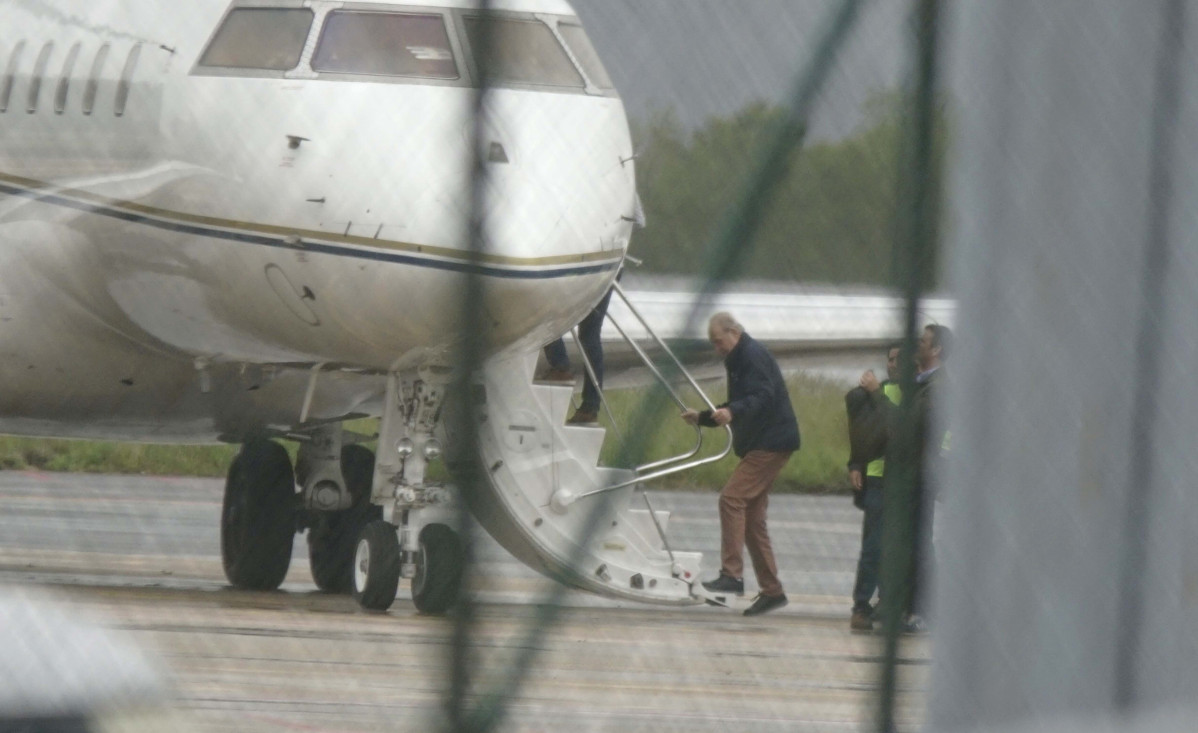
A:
x: 188, y: 227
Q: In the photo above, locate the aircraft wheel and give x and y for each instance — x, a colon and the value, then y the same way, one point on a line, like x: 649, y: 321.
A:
x: 376, y: 566
x: 333, y: 539
x: 439, y: 566
x: 258, y: 516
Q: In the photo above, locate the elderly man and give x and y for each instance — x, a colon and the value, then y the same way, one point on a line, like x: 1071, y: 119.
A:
x: 764, y: 434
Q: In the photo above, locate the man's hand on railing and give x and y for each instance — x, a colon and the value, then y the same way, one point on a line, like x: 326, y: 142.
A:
x: 720, y: 417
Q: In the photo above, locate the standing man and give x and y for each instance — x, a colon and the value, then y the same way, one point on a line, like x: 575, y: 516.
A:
x: 931, y: 353
x: 764, y: 434
x: 590, y: 331
x: 866, y: 478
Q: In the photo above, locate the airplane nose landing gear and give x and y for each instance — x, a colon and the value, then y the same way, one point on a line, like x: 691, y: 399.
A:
x: 415, y: 538
x: 376, y: 566
x: 439, y: 567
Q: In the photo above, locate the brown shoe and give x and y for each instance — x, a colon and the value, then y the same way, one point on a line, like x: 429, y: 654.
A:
x: 554, y: 374
x: 583, y: 417
x: 861, y: 621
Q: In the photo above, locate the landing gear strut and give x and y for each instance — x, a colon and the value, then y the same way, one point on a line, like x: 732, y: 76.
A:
x: 258, y: 516
x: 415, y: 538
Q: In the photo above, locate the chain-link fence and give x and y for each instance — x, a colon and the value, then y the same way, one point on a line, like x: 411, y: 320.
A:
x: 343, y: 237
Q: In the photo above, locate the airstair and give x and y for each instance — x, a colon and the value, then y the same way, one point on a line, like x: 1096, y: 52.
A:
x: 549, y: 502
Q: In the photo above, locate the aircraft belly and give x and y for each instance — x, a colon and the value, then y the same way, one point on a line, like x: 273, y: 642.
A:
x: 208, y: 292
x: 102, y: 323
x: 65, y: 375
x: 263, y: 305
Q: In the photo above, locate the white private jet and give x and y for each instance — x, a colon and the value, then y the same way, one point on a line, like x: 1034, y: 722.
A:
x: 249, y: 221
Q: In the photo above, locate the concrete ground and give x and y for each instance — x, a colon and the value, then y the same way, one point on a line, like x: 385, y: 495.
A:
x: 142, y: 555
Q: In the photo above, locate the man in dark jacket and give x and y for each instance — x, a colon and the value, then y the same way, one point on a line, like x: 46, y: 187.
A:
x: 764, y: 434
x: 865, y: 474
x: 927, y: 447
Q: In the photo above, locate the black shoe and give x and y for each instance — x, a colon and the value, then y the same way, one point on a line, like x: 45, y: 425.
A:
x: 765, y: 604
x: 725, y: 584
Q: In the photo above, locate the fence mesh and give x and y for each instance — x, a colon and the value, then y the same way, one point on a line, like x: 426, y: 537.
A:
x: 226, y: 223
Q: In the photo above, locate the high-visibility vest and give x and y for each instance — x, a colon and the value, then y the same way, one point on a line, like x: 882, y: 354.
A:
x: 895, y: 394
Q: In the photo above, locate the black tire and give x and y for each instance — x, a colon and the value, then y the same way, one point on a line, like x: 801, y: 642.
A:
x: 376, y: 566
x: 439, y: 566
x: 333, y: 537
x: 258, y: 516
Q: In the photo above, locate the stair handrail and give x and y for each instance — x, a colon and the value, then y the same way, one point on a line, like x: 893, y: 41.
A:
x: 590, y: 371
x: 686, y: 463
x: 681, y: 370
x: 664, y: 347
x: 676, y: 397
x: 648, y: 362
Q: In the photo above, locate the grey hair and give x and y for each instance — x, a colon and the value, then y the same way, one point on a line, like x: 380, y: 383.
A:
x: 725, y: 322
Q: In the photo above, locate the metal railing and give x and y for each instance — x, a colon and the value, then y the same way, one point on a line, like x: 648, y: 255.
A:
x: 676, y: 464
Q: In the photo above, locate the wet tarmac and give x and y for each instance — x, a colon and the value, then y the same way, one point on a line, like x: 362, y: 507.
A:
x: 142, y: 554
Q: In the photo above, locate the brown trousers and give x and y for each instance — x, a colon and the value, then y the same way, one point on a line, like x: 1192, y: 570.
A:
x: 743, y: 502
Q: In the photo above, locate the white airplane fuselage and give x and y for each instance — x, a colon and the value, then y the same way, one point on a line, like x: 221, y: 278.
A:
x: 181, y: 245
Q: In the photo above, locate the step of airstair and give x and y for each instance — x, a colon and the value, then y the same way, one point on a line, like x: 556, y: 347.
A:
x: 606, y: 543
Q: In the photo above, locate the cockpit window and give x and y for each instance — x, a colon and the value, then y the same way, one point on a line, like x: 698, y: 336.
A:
x: 260, y: 38
x: 385, y: 44
x: 584, y: 52
x: 523, y: 52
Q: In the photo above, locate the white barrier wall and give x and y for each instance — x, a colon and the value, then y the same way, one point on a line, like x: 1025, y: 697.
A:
x: 1069, y: 552
x: 774, y: 312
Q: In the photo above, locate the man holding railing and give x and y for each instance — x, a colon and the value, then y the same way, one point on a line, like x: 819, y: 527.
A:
x: 765, y: 433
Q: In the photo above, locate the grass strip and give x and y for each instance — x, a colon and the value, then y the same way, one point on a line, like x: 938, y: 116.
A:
x: 819, y: 467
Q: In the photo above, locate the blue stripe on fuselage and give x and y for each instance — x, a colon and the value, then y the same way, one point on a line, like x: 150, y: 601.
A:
x: 329, y: 249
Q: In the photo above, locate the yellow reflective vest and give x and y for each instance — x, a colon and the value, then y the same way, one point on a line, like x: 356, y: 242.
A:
x: 894, y: 393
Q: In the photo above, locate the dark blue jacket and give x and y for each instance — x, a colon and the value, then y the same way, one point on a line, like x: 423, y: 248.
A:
x: 762, y: 418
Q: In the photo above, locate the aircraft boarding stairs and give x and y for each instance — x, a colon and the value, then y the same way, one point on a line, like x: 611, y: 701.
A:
x: 549, y: 502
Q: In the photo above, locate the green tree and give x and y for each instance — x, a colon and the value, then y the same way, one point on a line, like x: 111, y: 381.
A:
x: 830, y: 221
